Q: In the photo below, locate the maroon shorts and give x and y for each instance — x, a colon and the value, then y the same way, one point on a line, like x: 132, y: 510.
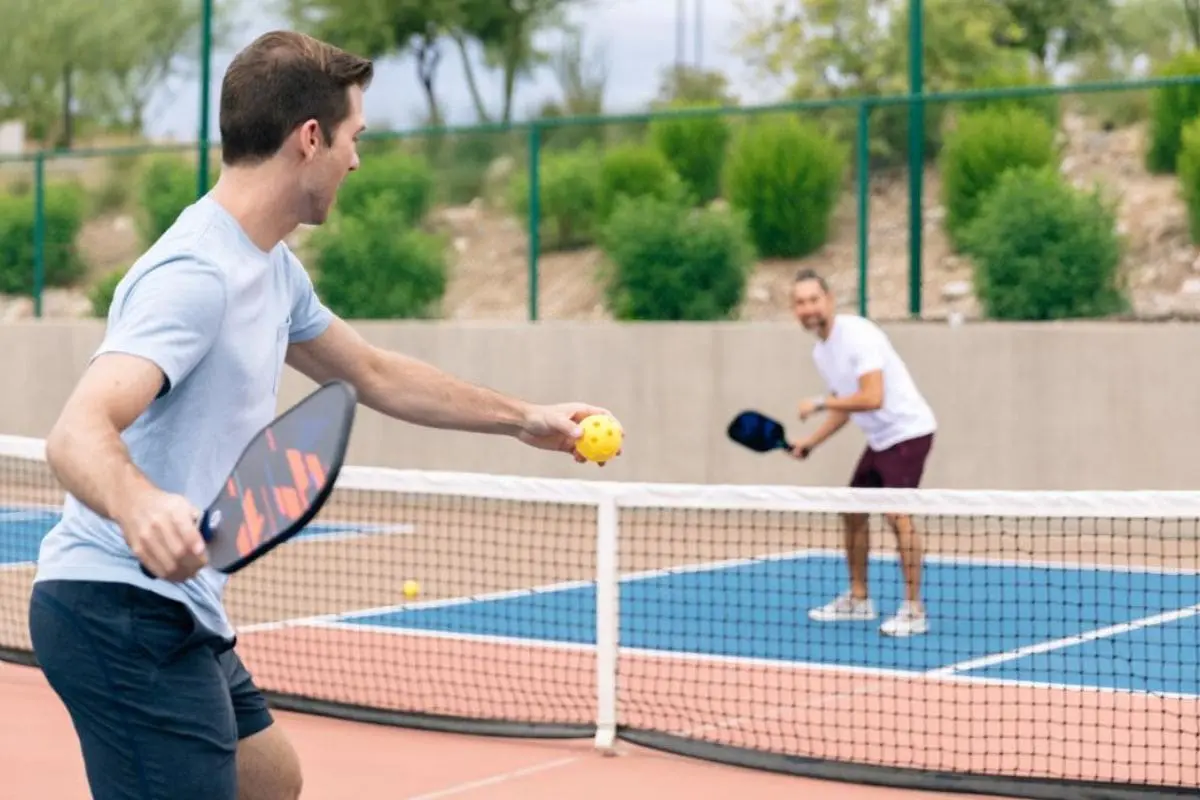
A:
x: 898, y: 467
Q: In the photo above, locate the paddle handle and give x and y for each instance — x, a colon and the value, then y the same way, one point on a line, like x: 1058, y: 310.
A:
x: 785, y: 445
x: 206, y: 531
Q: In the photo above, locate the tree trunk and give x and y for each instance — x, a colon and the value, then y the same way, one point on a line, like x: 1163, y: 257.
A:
x: 67, y: 134
x: 480, y: 110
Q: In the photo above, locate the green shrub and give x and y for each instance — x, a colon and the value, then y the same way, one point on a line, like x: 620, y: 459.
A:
x: 1046, y: 106
x: 65, y: 205
x: 568, y: 200
x: 667, y: 261
x: 1189, y: 175
x: 1044, y: 250
x: 981, y: 148
x: 695, y: 147
x: 1172, y: 107
x: 786, y: 175
x: 168, y: 186
x: 370, y: 267
x: 633, y: 170
x: 405, y: 182
x: 101, y: 294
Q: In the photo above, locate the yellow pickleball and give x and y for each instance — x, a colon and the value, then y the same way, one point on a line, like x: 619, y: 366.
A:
x: 601, y: 438
x: 411, y: 589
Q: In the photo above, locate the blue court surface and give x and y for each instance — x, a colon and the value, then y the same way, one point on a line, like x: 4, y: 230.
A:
x: 22, y: 529
x: 1068, y: 626
x: 1085, y: 626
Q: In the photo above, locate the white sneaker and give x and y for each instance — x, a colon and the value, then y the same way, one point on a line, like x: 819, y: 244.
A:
x: 909, y: 621
x: 846, y: 608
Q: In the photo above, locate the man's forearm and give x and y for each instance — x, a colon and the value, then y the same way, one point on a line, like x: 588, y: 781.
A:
x: 411, y: 390
x: 92, y: 463
x: 832, y: 423
x: 852, y: 403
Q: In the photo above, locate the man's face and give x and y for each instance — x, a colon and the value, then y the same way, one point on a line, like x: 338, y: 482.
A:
x: 812, y: 306
x: 327, y: 167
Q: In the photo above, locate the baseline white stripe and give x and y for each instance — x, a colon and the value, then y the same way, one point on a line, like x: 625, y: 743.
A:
x: 495, y: 780
x: 1068, y: 641
x: 936, y: 675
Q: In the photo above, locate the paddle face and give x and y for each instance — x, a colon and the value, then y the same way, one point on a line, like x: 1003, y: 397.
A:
x: 281, y: 480
x: 757, y: 431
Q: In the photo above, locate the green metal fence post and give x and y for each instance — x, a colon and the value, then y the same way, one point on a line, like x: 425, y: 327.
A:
x: 206, y: 22
x: 39, y: 230
x: 863, y: 140
x: 916, y: 151
x: 535, y: 213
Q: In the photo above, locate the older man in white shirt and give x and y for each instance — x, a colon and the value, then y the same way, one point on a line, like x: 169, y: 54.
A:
x: 869, y: 384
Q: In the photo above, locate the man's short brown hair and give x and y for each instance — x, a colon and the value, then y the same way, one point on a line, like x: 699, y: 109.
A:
x: 807, y: 274
x: 277, y: 83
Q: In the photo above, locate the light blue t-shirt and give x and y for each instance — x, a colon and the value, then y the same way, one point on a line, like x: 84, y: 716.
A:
x: 216, y: 314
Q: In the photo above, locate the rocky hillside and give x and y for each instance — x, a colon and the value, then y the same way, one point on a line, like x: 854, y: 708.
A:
x: 490, y: 260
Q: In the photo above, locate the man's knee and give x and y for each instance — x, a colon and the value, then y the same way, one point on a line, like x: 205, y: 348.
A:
x: 855, y: 521
x: 268, y: 767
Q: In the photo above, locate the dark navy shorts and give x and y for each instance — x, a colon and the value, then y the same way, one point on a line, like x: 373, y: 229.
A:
x: 898, y: 467
x: 158, y: 702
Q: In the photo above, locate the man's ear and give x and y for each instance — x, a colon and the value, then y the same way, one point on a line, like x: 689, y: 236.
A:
x: 308, y: 139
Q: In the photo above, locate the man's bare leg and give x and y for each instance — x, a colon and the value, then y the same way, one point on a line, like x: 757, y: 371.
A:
x: 910, y: 620
x: 857, y: 540
x: 908, y: 542
x: 856, y: 604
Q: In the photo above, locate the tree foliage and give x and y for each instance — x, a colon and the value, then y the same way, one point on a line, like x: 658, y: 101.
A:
x: 1055, y: 31
x: 61, y: 60
x: 380, y: 28
x: 501, y: 31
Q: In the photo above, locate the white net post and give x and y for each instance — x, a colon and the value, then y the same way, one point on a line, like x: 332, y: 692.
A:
x: 607, y: 623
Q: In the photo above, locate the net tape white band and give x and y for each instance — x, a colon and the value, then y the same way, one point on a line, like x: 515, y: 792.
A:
x: 738, y: 497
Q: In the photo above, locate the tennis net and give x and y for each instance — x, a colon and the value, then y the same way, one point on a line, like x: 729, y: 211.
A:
x: 1063, y: 658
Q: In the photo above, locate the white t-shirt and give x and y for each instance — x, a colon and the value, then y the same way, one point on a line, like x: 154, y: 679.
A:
x: 856, y: 346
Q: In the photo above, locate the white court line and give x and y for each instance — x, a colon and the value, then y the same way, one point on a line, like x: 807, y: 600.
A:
x: 953, y: 673
x: 950, y: 673
x: 704, y: 566
x: 1069, y: 641
x: 491, y: 597
x: 27, y: 514
x: 337, y: 532
x: 937, y: 675
x: 495, y: 780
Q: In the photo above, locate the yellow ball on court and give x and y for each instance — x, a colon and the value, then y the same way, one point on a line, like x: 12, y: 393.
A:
x: 601, y: 438
x: 411, y: 589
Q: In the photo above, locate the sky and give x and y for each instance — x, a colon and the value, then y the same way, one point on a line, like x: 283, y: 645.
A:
x: 637, y: 38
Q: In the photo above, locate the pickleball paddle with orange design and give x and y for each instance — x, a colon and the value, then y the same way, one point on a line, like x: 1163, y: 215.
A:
x: 281, y: 480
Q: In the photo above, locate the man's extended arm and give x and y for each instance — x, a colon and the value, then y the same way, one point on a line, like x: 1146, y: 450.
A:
x: 404, y: 387
x: 834, y: 421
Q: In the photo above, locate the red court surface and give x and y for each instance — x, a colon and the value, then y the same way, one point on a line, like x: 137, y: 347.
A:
x: 40, y: 759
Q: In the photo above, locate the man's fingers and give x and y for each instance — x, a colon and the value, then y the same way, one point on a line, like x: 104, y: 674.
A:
x: 156, y: 554
x: 188, y: 527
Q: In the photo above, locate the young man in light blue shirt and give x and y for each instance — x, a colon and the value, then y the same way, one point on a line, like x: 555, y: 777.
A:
x: 188, y: 372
